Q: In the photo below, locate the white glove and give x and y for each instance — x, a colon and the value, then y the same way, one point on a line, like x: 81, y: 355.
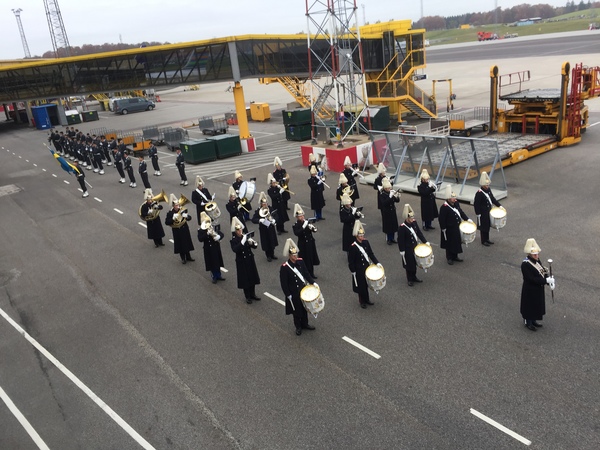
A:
x: 289, y: 297
x: 315, y: 284
x: 402, y: 254
x: 502, y: 208
x: 244, y: 240
x: 281, y: 190
x: 261, y: 221
x: 188, y: 217
x: 305, y: 224
x: 478, y: 219
x: 552, y: 286
x: 239, y: 206
x: 427, y: 243
x: 177, y: 217
x: 217, y: 238
x: 444, y: 231
x: 379, y: 265
x: 469, y: 220
x: 550, y: 281
x: 202, y: 203
x: 391, y: 195
x: 353, y: 210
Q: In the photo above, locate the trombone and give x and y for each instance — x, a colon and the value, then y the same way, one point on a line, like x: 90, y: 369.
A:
x: 322, y: 180
x: 285, y: 187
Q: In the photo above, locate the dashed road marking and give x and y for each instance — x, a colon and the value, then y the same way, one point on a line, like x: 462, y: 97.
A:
x: 361, y: 347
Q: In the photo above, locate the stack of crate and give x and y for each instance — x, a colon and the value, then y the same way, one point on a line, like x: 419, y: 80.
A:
x: 297, y: 124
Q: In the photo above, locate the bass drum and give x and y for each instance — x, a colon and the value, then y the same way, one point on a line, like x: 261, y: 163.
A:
x: 247, y: 190
x: 375, y: 275
x: 497, y: 217
x: 468, y: 231
x: 312, y: 299
x: 424, y: 256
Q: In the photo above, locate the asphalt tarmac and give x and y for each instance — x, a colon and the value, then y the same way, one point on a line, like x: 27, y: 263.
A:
x: 128, y: 348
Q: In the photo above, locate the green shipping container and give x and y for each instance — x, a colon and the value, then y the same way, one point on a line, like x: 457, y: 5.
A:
x: 196, y: 151
x: 90, y: 116
x: 227, y: 145
x: 298, y: 132
x: 378, y: 116
x: 73, y: 119
x: 299, y: 116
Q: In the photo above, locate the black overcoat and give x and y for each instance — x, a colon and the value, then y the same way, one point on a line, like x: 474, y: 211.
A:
x: 232, y: 209
x: 348, y: 219
x: 247, y: 273
x: 358, y: 264
x: 268, y: 235
x: 533, y: 297
x: 352, y: 183
x: 429, y: 209
x: 291, y: 284
x: 153, y: 227
x: 482, y: 206
x: 317, y: 200
x: 307, y: 246
x: 213, y: 258
x: 376, y: 185
x: 181, y: 236
x: 407, y: 244
x: 450, y: 222
x: 278, y: 203
x: 200, y: 197
x: 389, y: 218
x: 279, y: 176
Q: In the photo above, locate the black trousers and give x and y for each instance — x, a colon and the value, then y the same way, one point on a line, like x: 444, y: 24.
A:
x: 181, y: 169
x: 119, y: 167
x: 485, y: 236
x: 155, y: 163
x: 131, y: 175
x: 300, y: 318
x: 144, y: 176
x: 82, y: 183
x: 250, y: 292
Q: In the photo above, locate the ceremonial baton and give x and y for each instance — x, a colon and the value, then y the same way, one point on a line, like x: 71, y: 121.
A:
x: 550, y: 266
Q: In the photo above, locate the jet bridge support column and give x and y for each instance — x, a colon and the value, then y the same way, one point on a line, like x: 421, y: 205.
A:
x: 247, y: 140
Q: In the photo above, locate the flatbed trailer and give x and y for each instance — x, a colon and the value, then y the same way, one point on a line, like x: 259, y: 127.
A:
x: 463, y: 124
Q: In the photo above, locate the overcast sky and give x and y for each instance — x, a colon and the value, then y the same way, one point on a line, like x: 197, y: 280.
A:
x: 131, y: 22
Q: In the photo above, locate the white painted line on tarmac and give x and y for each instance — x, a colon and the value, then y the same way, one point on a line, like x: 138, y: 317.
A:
x: 142, y: 224
x: 54, y: 175
x: 97, y: 400
x: 272, y: 297
x: 223, y: 269
x: 34, y: 165
x: 44, y: 170
x: 66, y: 182
x: 20, y: 157
x: 362, y: 347
x: 493, y: 423
x: 26, y: 160
x: 23, y: 421
x: 97, y: 199
x: 594, y: 124
x: 118, y: 210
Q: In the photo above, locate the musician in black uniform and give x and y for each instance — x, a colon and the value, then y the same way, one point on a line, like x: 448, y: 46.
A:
x: 283, y: 179
x: 451, y: 215
x: 350, y: 173
x: 483, y: 203
x: 247, y: 273
x: 149, y: 212
x: 79, y: 173
x: 293, y: 276
x: 276, y: 193
x: 143, y: 170
x: 535, y: 278
x: 177, y: 219
x: 429, y: 209
x: 348, y: 216
x: 389, y: 218
x: 213, y: 258
x: 98, y: 155
x: 263, y: 217
x: 129, y: 169
x: 343, y: 188
x: 306, y: 242
x: 180, y: 163
x: 317, y: 199
x: 409, y: 235
x: 360, y: 257
x: 235, y: 209
x: 153, y: 153
x: 312, y: 162
x: 377, y: 184
x: 237, y: 184
x: 200, y: 197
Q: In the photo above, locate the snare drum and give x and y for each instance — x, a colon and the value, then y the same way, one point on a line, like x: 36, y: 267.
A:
x: 312, y: 299
x: 212, y: 210
x: 497, y: 217
x: 467, y: 231
x: 424, y: 256
x: 376, y: 277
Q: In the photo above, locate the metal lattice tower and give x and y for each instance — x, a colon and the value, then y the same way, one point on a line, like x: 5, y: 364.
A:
x: 17, y: 13
x: 337, y: 75
x: 58, y: 33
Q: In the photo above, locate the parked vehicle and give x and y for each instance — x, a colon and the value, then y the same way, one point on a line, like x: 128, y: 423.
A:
x: 134, y: 104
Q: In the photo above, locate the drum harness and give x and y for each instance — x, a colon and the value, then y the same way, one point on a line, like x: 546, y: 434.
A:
x: 414, y: 236
x: 538, y: 266
x: 364, y: 253
x: 202, y: 194
x: 457, y: 214
x: 489, y: 203
x: 299, y: 275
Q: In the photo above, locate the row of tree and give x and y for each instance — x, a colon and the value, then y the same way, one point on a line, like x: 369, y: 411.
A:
x: 500, y: 15
x: 89, y: 49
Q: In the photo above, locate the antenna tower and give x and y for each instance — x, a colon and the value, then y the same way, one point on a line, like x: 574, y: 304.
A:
x: 336, y: 69
x: 17, y: 13
x: 58, y: 33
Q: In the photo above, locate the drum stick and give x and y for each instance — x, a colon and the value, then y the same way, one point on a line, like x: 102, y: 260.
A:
x: 550, y: 266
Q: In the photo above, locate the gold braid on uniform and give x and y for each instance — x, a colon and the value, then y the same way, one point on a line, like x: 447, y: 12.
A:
x: 538, y: 266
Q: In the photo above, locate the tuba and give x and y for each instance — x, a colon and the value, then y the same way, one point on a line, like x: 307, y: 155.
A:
x: 265, y: 213
x: 178, y: 219
x: 154, y: 212
x: 348, y: 191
